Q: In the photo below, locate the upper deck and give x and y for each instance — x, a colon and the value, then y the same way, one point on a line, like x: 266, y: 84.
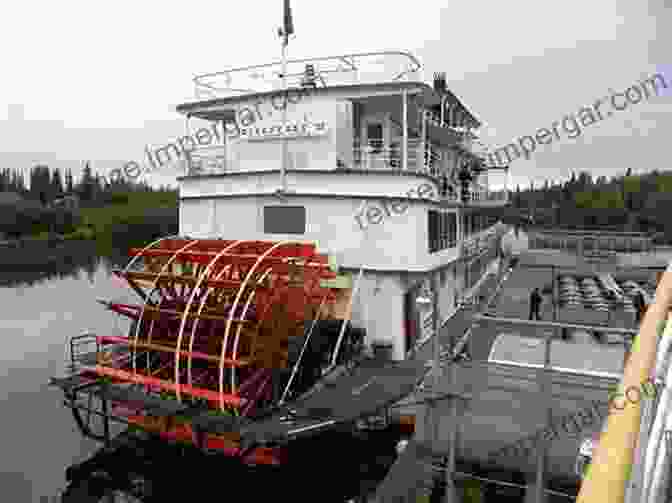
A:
x: 331, y: 71
x: 366, y: 112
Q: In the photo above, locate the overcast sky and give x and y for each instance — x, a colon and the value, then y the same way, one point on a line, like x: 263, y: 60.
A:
x: 101, y: 80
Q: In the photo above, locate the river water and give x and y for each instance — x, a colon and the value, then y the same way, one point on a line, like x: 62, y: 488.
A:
x: 40, y: 309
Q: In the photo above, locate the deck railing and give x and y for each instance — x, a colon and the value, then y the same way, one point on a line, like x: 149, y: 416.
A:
x: 209, y: 159
x: 346, y: 69
x: 484, y: 196
x: 379, y: 155
x: 581, y: 242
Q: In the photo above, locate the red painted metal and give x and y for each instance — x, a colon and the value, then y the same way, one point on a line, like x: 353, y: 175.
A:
x: 193, y: 285
x: 209, y: 395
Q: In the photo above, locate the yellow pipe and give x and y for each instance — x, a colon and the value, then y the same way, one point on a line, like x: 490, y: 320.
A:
x: 609, y: 472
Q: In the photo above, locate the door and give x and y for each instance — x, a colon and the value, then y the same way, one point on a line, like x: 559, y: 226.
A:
x: 411, y: 319
x: 375, y: 141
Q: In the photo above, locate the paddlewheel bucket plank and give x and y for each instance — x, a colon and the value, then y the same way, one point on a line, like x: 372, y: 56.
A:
x: 221, y: 327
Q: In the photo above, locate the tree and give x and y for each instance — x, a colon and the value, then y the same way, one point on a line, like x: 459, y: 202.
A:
x: 40, y: 182
x: 585, y: 180
x: 69, y: 186
x: 56, y: 183
x: 86, y: 184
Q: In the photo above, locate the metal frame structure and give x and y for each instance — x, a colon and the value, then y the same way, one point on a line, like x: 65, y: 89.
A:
x: 544, y: 376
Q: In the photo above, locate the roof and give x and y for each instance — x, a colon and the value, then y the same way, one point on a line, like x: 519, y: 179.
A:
x: 429, y: 96
x: 580, y: 353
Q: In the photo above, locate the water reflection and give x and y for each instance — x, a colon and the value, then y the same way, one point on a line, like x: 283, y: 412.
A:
x: 47, y: 296
x: 28, y: 267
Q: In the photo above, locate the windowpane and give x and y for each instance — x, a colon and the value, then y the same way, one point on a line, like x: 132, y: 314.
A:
x: 374, y: 136
x: 284, y: 219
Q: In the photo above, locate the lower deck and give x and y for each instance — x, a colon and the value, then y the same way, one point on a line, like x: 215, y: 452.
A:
x: 485, y: 407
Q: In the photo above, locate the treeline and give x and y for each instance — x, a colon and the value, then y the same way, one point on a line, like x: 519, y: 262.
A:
x: 633, y: 203
x: 35, y: 213
x: 45, y: 185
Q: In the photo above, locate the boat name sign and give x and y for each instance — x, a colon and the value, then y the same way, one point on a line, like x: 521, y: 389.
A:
x: 295, y: 129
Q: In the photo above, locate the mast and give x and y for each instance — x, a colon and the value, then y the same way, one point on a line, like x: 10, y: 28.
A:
x: 285, y: 32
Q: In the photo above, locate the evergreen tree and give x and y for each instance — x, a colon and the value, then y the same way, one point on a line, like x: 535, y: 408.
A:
x: 56, y: 183
x: 40, y: 182
x: 86, y: 184
x: 69, y: 186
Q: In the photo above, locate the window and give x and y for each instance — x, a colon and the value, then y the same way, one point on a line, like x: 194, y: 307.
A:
x: 284, y: 219
x: 452, y: 230
x: 433, y: 230
x: 374, y: 137
x: 442, y: 230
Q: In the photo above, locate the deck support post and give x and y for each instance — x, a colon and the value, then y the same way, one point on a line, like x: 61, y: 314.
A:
x: 404, y: 130
x: 423, y: 142
x: 451, y: 491
x: 106, y: 421
x: 542, y: 445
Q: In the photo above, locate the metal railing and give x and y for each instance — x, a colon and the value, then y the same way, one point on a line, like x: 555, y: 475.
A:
x: 488, y: 196
x: 76, y: 343
x: 379, y: 155
x: 207, y: 160
x: 362, y: 68
x: 464, y: 135
x: 583, y: 241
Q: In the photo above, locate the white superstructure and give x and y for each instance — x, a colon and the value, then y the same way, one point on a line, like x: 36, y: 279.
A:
x: 358, y: 155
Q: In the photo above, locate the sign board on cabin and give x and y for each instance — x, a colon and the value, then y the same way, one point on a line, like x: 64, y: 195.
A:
x: 292, y: 129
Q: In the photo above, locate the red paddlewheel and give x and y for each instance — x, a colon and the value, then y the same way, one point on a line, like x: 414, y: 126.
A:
x: 216, y: 316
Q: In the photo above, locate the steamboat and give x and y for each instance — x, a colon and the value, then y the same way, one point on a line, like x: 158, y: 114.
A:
x: 288, y: 303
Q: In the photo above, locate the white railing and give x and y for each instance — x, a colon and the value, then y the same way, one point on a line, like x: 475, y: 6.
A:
x: 377, y: 155
x: 363, y: 68
x: 580, y: 242
x: 480, y: 196
x: 481, y: 241
x: 465, y: 135
x: 208, y: 159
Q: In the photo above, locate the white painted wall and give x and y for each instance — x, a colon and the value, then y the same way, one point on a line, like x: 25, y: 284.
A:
x: 314, y: 152
x: 397, y: 242
x: 379, y: 309
x: 348, y: 184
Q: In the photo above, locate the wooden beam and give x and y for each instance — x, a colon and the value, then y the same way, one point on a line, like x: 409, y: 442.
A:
x: 210, y: 395
x: 179, y: 314
x: 554, y: 324
x: 168, y: 349
x: 178, y: 278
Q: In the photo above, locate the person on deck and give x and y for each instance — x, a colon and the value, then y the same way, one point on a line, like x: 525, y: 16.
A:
x: 535, y: 303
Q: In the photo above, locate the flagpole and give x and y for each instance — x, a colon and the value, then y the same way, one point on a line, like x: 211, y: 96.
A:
x: 283, y: 176
x: 285, y: 32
